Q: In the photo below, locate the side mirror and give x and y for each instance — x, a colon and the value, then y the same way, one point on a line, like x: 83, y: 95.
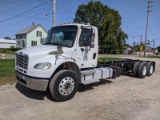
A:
x: 92, y: 43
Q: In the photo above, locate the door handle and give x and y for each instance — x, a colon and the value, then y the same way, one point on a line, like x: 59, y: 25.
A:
x: 82, y: 49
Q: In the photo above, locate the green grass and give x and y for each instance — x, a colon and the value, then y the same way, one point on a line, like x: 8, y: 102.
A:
x: 7, y: 71
x: 7, y: 51
x: 153, y: 57
x: 108, y: 59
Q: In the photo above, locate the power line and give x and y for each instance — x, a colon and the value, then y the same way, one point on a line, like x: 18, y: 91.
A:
x: 8, y: 4
x: 66, y: 8
x: 66, y: 11
x: 15, y: 6
x: 44, y: 7
x: 10, y: 18
x: 4, y: 3
x: 48, y: 6
x: 27, y: 18
x: 66, y: 3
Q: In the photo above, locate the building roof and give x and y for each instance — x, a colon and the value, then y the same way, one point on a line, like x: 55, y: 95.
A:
x: 7, y: 41
x: 128, y: 48
x: 29, y: 29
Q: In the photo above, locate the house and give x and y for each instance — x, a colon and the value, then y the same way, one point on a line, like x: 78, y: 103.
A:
x: 4, y: 43
x: 127, y: 50
x: 149, y: 51
x: 31, y: 36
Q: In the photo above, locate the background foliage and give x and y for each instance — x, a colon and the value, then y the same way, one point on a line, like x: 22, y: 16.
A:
x: 108, y: 22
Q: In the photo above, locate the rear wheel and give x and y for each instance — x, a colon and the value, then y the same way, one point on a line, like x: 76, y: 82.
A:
x: 63, y: 85
x: 150, y: 68
x: 142, y: 70
x: 135, y: 68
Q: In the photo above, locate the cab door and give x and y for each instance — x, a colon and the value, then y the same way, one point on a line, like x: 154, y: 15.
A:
x: 86, y: 53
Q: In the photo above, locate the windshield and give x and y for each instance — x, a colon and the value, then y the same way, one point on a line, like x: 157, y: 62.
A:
x: 62, y: 35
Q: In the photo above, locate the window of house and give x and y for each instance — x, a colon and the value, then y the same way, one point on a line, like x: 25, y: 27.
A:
x: 23, y: 43
x: 18, y: 43
x: 20, y: 36
x: 33, y: 43
x: 39, y: 33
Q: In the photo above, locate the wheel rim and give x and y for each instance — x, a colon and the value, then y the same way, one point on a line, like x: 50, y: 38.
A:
x: 144, y: 70
x: 66, y: 86
x: 151, y: 69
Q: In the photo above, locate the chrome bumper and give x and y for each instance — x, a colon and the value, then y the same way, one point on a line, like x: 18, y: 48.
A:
x: 32, y: 83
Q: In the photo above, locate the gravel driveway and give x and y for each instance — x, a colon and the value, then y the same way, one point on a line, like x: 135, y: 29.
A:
x: 123, y: 98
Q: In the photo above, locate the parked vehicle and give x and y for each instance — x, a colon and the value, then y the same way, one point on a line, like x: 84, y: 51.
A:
x: 67, y: 59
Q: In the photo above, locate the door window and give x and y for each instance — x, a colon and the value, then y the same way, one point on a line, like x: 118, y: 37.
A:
x: 85, y: 37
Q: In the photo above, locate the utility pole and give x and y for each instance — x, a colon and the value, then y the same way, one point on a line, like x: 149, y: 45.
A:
x: 147, y: 26
x: 54, y: 13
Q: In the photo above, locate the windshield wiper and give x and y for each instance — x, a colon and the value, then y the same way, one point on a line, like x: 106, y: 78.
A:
x: 47, y: 44
x: 55, y: 43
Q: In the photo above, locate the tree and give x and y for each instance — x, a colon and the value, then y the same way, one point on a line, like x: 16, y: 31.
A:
x: 8, y: 38
x: 108, y: 22
x: 158, y: 48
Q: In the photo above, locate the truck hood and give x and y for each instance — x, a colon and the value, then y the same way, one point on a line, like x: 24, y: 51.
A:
x: 38, y: 49
x: 43, y: 50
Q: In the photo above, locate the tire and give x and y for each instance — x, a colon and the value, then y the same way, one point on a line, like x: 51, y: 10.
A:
x: 135, y: 68
x: 150, y: 68
x: 63, y: 85
x: 142, y: 70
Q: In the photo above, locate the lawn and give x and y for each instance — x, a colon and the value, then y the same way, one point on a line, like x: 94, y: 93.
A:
x: 7, y: 73
x: 153, y: 57
x: 7, y: 70
x: 108, y: 59
x: 7, y: 51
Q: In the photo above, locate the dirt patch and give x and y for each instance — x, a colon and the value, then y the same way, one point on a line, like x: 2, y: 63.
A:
x: 123, y: 98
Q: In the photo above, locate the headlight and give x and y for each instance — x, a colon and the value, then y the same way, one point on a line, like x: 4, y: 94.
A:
x: 43, y: 66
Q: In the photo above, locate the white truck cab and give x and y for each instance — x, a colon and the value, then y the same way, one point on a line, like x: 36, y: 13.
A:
x: 66, y: 59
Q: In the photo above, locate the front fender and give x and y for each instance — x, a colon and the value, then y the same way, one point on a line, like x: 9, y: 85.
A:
x: 71, y: 65
x: 47, y: 73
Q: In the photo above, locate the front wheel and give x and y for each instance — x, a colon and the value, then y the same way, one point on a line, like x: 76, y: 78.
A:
x: 63, y: 85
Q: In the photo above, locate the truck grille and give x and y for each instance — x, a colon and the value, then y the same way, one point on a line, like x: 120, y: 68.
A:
x: 22, y: 61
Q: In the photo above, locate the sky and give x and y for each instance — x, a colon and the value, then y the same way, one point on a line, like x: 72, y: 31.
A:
x: 15, y: 15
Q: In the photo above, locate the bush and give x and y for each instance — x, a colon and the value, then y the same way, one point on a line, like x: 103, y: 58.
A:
x: 13, y: 48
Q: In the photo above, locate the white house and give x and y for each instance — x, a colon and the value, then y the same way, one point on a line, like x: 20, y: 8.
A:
x: 127, y: 50
x: 31, y: 36
x: 4, y: 43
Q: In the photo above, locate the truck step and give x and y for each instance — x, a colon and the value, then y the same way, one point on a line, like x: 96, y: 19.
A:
x: 88, y: 71
x: 90, y: 81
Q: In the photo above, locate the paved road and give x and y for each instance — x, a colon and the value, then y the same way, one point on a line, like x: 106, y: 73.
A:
x: 7, y: 56
x: 123, y: 98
